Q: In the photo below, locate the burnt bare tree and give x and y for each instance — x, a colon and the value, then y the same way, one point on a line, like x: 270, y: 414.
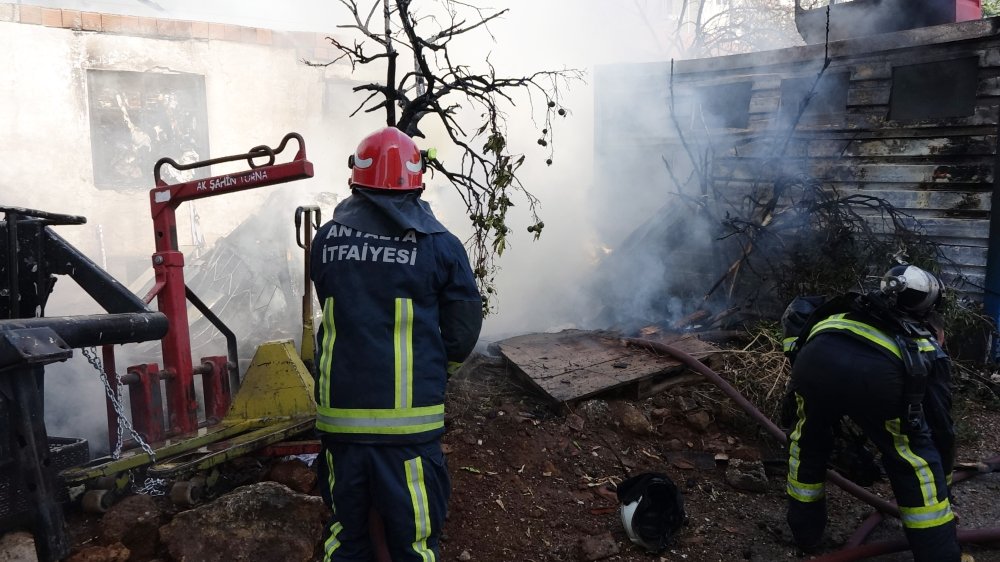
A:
x: 425, y: 79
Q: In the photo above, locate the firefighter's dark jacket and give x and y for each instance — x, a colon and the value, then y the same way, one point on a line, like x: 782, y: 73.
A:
x: 937, y: 394
x: 400, y: 308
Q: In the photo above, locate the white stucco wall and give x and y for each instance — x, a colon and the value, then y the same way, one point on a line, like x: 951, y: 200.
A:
x: 255, y: 94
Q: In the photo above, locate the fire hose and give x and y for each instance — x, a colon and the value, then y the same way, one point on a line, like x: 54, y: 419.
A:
x: 855, y: 550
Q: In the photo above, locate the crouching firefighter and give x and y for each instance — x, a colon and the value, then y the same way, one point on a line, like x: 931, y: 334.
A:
x: 875, y: 358
x: 401, y: 311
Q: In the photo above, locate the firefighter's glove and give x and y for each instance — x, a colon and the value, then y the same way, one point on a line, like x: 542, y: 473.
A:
x: 454, y: 367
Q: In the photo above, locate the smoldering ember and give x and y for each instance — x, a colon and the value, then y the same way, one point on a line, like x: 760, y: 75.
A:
x: 663, y: 204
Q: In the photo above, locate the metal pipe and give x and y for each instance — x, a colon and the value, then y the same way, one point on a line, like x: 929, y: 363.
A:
x: 699, y: 367
x: 231, y: 350
x: 307, y: 348
x: 107, y: 291
x: 47, y: 217
x: 99, y: 329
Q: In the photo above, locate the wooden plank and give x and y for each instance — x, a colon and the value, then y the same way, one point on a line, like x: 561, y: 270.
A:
x: 943, y: 227
x: 927, y: 199
x: 939, y: 148
x: 574, y: 364
x: 870, y: 70
x: 897, y: 147
x: 903, y: 199
x: 765, y: 103
x: 868, y: 96
x: 840, y: 170
x: 964, y: 255
x: 970, y: 35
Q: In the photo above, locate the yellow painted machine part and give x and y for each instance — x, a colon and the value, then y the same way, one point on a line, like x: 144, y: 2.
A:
x: 277, y: 384
x: 208, y: 457
x: 170, y: 448
x: 276, y: 392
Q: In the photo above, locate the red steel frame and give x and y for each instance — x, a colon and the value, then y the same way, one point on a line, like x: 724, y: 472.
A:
x: 168, y: 265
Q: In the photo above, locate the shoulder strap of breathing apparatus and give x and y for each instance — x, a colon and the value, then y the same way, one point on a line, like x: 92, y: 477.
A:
x: 915, y: 350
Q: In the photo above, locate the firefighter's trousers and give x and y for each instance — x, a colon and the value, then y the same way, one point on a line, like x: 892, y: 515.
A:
x: 836, y: 375
x: 407, y: 485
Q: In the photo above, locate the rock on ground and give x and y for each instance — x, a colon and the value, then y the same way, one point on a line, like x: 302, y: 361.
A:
x: 133, y: 522
x: 263, y: 521
x: 17, y: 547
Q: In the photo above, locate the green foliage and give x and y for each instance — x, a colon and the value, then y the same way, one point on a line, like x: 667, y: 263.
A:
x: 489, y: 214
x: 991, y: 8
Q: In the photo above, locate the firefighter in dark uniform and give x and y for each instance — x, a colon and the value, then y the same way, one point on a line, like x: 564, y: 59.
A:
x: 896, y: 387
x: 401, y: 311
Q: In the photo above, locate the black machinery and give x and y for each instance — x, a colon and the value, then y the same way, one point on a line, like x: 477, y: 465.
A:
x: 30, y: 491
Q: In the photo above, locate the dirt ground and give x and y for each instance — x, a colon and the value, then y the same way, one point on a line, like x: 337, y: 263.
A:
x: 531, y: 482
x: 527, y: 479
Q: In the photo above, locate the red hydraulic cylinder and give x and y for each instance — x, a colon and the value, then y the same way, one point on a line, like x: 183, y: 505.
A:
x: 215, y: 384
x: 182, y: 403
x: 144, y: 397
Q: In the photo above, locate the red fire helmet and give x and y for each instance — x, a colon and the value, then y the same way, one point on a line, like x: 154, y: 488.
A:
x: 387, y: 159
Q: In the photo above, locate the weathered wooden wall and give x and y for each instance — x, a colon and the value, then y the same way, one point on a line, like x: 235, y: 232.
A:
x: 940, y: 171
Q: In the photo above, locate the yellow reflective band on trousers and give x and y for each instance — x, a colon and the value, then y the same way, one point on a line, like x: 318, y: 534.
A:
x: 927, y: 516
x: 403, y: 344
x: 421, y: 509
x: 387, y: 421
x: 330, y: 479
x: 798, y: 490
x: 326, y: 347
x: 838, y: 322
x: 933, y: 512
x: 805, y: 493
x: 333, y: 543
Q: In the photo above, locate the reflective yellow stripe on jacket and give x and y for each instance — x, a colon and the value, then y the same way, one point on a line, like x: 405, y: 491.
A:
x: 403, y: 346
x: 326, y: 357
x: 381, y: 421
x: 839, y: 322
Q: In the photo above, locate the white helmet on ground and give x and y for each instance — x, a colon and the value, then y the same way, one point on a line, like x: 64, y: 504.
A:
x: 652, y: 510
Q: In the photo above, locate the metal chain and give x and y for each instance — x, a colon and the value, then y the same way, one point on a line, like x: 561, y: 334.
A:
x: 152, y: 487
x: 113, y: 395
